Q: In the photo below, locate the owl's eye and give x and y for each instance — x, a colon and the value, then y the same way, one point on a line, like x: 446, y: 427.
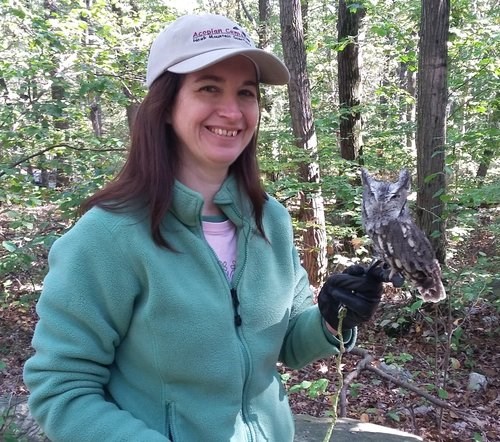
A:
x: 395, y: 196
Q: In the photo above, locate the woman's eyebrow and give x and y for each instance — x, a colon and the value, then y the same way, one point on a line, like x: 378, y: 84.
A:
x: 217, y: 79
x: 209, y: 77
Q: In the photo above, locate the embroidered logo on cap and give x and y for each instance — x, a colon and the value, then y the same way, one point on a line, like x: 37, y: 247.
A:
x: 234, y: 33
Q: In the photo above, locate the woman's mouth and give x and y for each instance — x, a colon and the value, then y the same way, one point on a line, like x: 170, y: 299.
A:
x: 223, y: 132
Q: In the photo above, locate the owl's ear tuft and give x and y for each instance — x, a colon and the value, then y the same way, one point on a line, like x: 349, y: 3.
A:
x: 405, y: 179
x: 365, y: 176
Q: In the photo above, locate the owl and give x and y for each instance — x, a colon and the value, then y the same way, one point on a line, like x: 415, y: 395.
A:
x: 397, y: 240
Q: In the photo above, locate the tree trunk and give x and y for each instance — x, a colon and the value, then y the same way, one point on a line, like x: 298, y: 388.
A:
x: 57, y: 177
x: 95, y: 116
x: 491, y: 143
x: 93, y: 98
x: 312, y: 210
x: 411, y: 88
x: 264, y: 42
x: 408, y: 83
x: 349, y: 80
x: 431, y: 121
x: 264, y: 16
x: 131, y: 108
x: 484, y: 165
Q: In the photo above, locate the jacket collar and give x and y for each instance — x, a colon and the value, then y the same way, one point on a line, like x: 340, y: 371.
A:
x: 187, y: 204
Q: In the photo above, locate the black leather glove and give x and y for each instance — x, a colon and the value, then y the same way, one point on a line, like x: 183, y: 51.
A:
x: 359, y: 289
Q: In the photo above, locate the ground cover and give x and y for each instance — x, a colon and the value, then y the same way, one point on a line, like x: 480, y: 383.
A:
x: 434, y: 348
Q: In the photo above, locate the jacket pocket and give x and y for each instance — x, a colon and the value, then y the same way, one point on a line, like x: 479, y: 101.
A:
x: 170, y: 422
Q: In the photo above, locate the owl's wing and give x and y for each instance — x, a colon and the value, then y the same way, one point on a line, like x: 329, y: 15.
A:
x: 409, y: 244
x: 407, y: 250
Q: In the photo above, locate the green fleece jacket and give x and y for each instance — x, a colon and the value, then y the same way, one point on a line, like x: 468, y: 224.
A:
x: 139, y: 343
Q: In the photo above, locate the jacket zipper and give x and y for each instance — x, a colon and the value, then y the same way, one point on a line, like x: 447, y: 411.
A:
x: 237, y: 322
x: 236, y: 303
x: 246, y: 355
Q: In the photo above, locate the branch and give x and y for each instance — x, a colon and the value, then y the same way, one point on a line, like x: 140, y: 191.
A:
x: 338, y: 366
x: 247, y: 12
x: 360, y: 366
x: 365, y: 364
x: 55, y: 146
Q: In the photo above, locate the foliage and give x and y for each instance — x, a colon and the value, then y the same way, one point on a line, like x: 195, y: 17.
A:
x: 96, y: 56
x: 63, y: 63
x: 313, y: 388
x: 71, y: 59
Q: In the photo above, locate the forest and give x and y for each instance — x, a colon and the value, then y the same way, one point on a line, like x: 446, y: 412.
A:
x: 379, y: 84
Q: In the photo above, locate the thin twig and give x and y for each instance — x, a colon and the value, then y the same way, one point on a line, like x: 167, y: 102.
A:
x: 338, y: 369
x: 55, y: 146
x: 366, y: 365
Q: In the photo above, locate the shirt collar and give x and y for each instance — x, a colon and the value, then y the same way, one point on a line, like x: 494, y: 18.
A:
x: 187, y: 204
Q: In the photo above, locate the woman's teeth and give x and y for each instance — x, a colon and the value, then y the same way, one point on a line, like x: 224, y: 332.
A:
x: 224, y: 132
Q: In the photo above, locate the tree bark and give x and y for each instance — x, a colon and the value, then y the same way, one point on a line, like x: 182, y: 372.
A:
x: 349, y: 80
x: 312, y: 210
x: 57, y: 177
x: 432, y: 98
x: 263, y: 31
x: 93, y: 98
x: 411, y: 88
x: 491, y: 144
x: 264, y: 42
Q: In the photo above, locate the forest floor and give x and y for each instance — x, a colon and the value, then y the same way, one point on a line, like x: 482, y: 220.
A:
x: 411, y: 344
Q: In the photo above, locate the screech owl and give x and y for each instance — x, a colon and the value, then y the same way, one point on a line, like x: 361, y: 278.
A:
x: 396, y: 238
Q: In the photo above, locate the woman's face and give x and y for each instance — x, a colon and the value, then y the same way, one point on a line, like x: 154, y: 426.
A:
x: 215, y: 115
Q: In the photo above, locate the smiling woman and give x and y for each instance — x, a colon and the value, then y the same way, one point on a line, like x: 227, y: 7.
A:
x: 169, y: 303
x: 222, y: 103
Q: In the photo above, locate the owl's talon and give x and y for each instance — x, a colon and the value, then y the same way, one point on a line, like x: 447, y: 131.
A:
x: 397, y: 280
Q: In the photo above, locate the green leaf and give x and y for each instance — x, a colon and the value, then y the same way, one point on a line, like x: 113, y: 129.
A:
x: 430, y: 177
x: 477, y: 437
x: 318, y: 387
x: 9, y: 246
x: 18, y: 13
x: 438, y: 193
x: 416, y: 305
x: 443, y: 394
x: 353, y: 7
x: 305, y: 384
x: 294, y: 389
x: 394, y: 416
x: 285, y: 377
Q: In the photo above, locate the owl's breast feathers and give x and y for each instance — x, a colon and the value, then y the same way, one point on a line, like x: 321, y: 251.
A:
x: 402, y: 245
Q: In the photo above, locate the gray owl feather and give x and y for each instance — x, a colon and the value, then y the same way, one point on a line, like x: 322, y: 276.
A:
x: 396, y: 238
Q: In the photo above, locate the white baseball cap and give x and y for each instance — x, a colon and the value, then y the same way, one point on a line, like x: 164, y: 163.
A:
x: 194, y: 42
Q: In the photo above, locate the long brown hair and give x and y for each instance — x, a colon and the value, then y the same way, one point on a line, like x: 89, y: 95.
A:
x: 148, y: 175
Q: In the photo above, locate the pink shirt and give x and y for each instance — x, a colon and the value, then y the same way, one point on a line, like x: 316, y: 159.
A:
x: 222, y: 238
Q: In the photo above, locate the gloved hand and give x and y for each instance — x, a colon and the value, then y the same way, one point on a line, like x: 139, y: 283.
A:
x: 359, y: 289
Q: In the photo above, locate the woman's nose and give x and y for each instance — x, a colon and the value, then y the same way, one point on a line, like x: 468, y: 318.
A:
x: 229, y: 107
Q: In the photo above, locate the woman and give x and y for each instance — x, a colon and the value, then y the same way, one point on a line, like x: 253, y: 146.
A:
x: 169, y: 303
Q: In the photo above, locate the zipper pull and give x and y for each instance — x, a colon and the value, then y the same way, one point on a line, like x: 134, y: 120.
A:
x: 236, y: 303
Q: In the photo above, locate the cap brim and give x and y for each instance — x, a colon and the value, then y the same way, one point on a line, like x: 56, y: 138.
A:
x: 271, y: 69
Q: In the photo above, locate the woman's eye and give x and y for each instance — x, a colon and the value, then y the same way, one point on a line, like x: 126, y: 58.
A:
x: 248, y: 93
x: 208, y: 88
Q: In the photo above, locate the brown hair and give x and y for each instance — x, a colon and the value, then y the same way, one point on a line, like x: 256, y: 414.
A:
x: 148, y: 175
